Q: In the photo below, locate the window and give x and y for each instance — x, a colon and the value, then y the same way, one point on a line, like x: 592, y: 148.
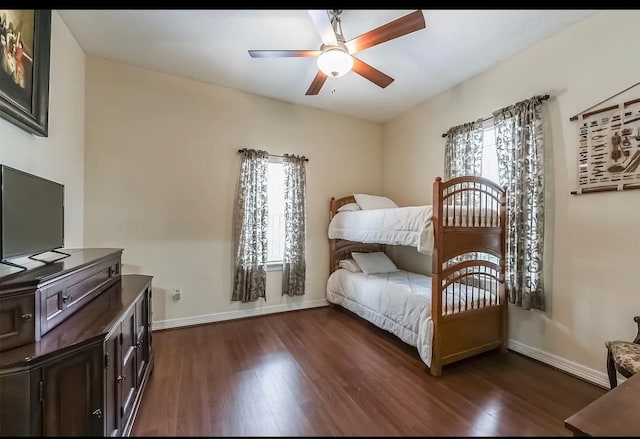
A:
x: 275, y: 196
x: 489, y: 152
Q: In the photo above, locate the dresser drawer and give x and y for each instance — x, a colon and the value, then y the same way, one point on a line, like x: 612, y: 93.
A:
x: 17, y: 321
x: 61, y: 300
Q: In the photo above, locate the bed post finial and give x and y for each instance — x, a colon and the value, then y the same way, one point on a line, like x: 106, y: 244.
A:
x: 438, y: 179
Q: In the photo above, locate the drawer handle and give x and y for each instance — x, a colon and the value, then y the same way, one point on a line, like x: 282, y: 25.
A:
x: 67, y: 299
x: 98, y: 413
x: 121, y: 378
x: 27, y: 317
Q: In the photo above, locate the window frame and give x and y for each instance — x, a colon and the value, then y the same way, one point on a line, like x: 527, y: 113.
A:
x: 489, y: 125
x: 274, y: 265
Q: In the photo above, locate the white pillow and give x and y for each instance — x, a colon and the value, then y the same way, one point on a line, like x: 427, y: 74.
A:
x: 349, y: 206
x: 349, y: 264
x: 375, y: 262
x: 369, y: 202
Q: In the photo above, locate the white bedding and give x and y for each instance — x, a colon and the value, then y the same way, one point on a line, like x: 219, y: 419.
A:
x: 399, y: 302
x: 409, y: 226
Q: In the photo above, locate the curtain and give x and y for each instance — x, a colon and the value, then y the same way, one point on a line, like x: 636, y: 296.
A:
x: 463, y: 150
x: 519, y: 142
x: 463, y: 156
x: 295, y: 208
x: 250, y: 221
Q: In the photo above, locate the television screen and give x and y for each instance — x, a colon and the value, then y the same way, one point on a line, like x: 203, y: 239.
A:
x: 32, y: 214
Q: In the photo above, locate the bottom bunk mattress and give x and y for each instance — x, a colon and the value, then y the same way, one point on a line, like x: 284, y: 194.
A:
x: 399, y: 302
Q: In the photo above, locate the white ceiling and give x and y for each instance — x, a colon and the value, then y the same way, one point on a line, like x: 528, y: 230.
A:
x: 211, y: 46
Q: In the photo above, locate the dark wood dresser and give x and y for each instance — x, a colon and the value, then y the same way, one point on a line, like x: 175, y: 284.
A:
x: 35, y: 301
x: 84, y: 376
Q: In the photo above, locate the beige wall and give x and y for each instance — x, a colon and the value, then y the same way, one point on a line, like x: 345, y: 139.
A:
x: 161, y: 170
x: 60, y: 156
x: 592, y: 240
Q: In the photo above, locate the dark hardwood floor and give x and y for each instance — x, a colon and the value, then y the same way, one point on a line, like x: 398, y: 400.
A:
x: 326, y: 372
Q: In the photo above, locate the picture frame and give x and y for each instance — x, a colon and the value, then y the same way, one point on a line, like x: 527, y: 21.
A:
x: 25, y: 45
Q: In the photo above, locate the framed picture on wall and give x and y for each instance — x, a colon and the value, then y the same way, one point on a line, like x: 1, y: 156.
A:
x: 25, y: 41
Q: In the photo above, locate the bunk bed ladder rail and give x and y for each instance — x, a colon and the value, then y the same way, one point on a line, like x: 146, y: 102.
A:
x: 469, y: 309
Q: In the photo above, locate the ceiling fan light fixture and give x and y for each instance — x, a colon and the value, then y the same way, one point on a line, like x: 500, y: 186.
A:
x: 335, y: 62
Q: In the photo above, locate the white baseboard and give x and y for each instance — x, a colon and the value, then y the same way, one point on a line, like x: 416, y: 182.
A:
x: 239, y: 314
x: 593, y: 376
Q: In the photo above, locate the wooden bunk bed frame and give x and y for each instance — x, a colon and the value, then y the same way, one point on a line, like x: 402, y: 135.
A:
x: 459, y: 235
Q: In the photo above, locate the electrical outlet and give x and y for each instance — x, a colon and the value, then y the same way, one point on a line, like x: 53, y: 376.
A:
x: 176, y: 294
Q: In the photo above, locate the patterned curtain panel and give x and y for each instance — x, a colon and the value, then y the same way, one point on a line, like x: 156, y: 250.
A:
x: 295, y: 209
x: 463, y: 156
x: 519, y: 141
x: 250, y: 221
x: 463, y: 150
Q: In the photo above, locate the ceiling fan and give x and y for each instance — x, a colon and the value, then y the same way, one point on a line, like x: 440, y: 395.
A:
x: 335, y: 56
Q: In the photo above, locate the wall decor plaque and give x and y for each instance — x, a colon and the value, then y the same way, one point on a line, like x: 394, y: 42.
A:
x: 609, y: 148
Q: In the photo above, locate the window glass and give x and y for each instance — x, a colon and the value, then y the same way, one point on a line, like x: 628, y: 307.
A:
x: 275, y: 188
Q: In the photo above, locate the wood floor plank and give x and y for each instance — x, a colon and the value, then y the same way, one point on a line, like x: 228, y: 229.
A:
x: 326, y: 372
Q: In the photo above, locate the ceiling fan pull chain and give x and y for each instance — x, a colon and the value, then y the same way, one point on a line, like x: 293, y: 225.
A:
x: 333, y: 84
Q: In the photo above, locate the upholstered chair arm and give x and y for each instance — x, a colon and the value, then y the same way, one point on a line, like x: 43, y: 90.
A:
x: 637, y: 320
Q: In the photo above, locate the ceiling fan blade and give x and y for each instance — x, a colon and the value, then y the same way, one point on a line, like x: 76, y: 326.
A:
x: 316, y: 84
x: 394, y: 29
x: 322, y: 22
x: 371, y: 73
x: 284, y: 53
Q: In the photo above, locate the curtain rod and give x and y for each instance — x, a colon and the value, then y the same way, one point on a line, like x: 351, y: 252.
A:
x: 271, y: 155
x: 544, y: 98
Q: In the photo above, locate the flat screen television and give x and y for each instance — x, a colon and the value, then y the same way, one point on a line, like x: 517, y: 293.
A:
x: 31, y: 214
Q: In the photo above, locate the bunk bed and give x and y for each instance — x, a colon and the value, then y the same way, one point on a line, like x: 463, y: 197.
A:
x: 460, y: 310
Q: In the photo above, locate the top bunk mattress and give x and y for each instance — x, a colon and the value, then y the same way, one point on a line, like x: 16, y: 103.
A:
x: 409, y: 226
